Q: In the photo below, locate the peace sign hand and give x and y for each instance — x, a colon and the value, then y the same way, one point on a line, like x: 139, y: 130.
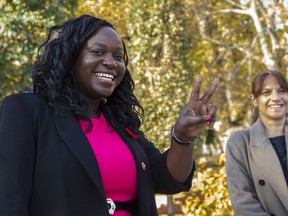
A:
x: 197, y: 112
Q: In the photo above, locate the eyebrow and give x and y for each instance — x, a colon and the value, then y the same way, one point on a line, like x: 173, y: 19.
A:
x: 120, y: 48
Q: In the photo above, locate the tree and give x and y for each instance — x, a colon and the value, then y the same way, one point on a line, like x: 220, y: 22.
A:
x: 159, y: 55
x: 241, y: 39
x: 115, y: 11
x: 23, y: 27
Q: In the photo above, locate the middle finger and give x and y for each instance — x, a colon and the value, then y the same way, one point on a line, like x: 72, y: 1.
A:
x: 210, y: 91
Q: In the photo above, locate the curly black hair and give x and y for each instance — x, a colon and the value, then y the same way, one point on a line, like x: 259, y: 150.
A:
x: 53, y: 75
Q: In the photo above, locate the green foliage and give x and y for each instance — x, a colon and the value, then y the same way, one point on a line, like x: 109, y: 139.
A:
x: 115, y: 11
x: 209, y: 195
x: 161, y: 69
x: 23, y: 27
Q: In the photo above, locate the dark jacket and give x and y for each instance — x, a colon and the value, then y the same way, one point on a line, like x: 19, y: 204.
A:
x: 47, y: 167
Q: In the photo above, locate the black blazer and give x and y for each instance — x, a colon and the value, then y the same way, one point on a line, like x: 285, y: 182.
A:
x: 47, y: 167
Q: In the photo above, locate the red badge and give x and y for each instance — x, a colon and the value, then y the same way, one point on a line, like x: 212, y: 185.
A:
x: 131, y: 133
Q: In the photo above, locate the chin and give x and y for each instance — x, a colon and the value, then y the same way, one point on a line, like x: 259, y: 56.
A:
x: 278, y: 118
x: 107, y: 94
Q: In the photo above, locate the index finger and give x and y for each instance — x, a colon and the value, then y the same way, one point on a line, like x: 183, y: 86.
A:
x: 196, y: 89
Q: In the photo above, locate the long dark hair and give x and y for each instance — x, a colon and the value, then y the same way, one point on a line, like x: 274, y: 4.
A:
x: 53, y: 75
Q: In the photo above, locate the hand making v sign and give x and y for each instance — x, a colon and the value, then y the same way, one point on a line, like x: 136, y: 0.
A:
x: 193, y: 118
x: 197, y: 112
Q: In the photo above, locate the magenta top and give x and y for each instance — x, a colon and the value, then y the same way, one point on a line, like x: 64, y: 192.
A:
x: 116, y: 162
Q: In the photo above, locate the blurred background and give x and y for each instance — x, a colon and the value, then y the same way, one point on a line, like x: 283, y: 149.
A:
x: 169, y: 43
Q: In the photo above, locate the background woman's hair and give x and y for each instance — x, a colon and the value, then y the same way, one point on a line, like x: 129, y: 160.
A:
x: 53, y: 75
x: 257, y: 84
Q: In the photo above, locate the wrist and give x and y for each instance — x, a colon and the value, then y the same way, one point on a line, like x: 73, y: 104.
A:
x: 179, y: 140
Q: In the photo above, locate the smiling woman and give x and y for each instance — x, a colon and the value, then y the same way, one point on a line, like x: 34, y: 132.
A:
x: 271, y: 101
x: 256, y: 163
x: 74, y: 146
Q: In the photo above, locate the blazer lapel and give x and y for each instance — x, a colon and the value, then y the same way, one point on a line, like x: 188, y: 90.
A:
x: 73, y: 136
x: 141, y: 166
x: 267, y: 160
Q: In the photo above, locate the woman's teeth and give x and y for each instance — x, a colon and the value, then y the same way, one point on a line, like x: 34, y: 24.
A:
x: 104, y: 76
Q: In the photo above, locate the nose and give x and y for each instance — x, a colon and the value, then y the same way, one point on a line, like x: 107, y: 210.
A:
x: 110, y: 63
x: 275, y: 95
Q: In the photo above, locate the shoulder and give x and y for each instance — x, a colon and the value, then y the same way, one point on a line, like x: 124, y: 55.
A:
x: 236, y: 148
x: 24, y: 96
x: 239, y: 135
x: 26, y: 99
x: 238, y: 141
x: 23, y: 108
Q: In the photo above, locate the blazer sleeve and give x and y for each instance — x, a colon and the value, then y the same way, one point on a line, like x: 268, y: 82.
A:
x: 163, y: 181
x: 17, y: 155
x: 240, y: 184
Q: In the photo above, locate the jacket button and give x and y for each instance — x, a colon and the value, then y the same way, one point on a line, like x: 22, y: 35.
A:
x: 261, y: 182
x: 143, y: 166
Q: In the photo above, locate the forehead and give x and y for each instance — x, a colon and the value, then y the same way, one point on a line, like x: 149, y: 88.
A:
x: 105, y: 36
x: 270, y: 81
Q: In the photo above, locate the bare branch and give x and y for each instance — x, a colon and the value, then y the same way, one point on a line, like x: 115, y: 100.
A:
x: 248, y: 52
x: 268, y: 14
x: 235, y: 4
x: 232, y: 10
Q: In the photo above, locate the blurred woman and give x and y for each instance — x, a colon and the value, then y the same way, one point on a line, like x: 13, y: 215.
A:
x: 257, y: 171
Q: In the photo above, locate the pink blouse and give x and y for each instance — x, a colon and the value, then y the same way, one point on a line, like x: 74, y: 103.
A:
x: 116, y: 162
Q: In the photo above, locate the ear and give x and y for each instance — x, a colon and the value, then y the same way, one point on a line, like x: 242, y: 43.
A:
x: 254, y: 101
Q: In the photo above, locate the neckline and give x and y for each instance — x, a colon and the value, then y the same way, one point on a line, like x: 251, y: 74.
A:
x: 96, y: 118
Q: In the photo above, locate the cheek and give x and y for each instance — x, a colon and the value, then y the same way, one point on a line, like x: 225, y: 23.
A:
x: 119, y: 79
x: 78, y: 77
x: 260, y: 101
x: 121, y: 71
x: 77, y: 71
x: 285, y: 98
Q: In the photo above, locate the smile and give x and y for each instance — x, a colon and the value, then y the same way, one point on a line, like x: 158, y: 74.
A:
x: 276, y: 106
x: 104, y: 76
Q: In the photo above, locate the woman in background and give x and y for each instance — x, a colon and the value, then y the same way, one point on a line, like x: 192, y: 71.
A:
x: 256, y: 163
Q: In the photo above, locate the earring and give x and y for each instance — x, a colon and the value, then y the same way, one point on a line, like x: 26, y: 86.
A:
x: 104, y: 100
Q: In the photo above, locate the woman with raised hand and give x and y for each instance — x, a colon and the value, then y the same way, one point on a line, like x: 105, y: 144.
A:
x: 74, y: 147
